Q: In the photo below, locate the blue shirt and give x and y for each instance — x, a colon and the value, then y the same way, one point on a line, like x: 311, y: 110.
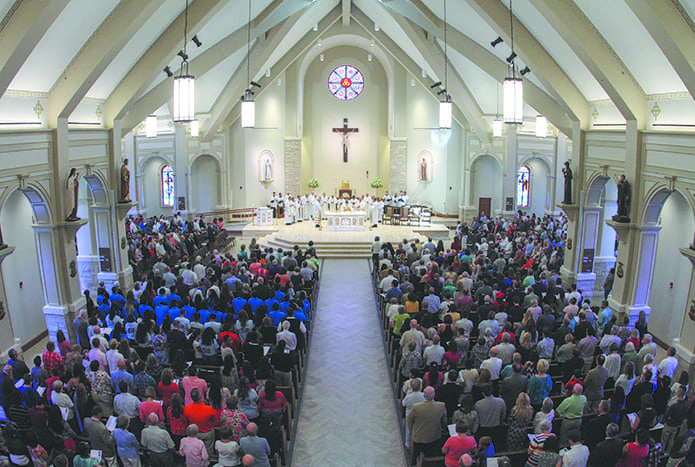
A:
x: 121, y: 375
x: 161, y: 311
x: 174, y: 298
x: 117, y: 298
x: 127, y: 443
x: 277, y: 316
x: 255, y: 302
x: 159, y: 299
x: 238, y: 304
x: 258, y: 448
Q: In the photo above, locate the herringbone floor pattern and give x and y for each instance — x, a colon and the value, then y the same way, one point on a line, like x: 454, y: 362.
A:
x: 347, y: 415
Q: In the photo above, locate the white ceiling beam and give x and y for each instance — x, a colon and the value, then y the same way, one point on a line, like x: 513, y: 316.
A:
x: 291, y: 56
x: 160, y: 94
x: 236, y: 85
x: 434, y: 56
x: 670, y: 29
x: 542, y: 64
x: 156, y: 57
x: 97, y: 53
x: 405, y: 61
x: 25, y: 24
x: 346, y: 12
x: 490, y: 64
x: 595, y: 53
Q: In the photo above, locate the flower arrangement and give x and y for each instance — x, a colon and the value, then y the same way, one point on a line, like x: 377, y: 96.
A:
x: 313, y: 183
x: 377, y: 183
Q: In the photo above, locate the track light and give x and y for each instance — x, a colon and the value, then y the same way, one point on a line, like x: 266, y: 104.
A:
x: 443, y: 91
x: 511, y: 57
x: 524, y: 71
x: 438, y: 83
x: 196, y: 41
x: 167, y: 70
x: 183, y: 55
x: 499, y: 40
x: 249, y: 91
x: 253, y: 83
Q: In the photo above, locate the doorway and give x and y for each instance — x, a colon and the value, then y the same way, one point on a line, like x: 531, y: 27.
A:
x: 484, y: 205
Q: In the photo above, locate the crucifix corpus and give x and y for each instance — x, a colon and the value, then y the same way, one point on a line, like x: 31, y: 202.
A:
x: 346, y: 133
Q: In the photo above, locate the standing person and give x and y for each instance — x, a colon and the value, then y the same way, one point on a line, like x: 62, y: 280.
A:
x: 376, y: 248
x: 257, y: 447
x: 427, y: 421
x: 576, y: 455
x: 204, y: 417
x: 158, y: 442
x: 571, y: 411
x: 457, y: 446
x: 126, y: 442
x: 193, y: 449
x: 593, y: 384
x: 608, y: 283
x: 100, y: 438
x: 634, y: 453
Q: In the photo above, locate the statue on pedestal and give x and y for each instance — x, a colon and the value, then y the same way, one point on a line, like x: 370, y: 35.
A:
x: 125, y: 183
x: 624, y: 200
x: 567, y: 172
x: 72, y: 187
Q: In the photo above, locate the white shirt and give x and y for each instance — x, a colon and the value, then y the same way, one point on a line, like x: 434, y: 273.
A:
x: 493, y: 365
x: 668, y: 367
x: 433, y: 353
x: 575, y: 456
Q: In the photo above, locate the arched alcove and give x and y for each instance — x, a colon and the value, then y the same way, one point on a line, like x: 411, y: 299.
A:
x: 205, y: 183
x: 21, y: 274
x: 93, y: 206
x: 670, y: 278
x: 486, y: 182
x: 152, y: 187
x: 539, y: 188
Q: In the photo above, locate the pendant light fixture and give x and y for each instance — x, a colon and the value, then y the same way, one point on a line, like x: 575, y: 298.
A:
x: 184, y: 84
x: 445, y: 106
x: 151, y: 126
x: 513, y: 85
x: 541, y: 126
x: 497, y: 123
x: 248, y: 106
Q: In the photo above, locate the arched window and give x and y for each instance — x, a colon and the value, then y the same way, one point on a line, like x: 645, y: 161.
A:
x: 522, y: 186
x: 167, y: 186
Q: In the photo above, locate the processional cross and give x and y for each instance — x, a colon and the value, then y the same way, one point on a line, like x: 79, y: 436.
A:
x: 346, y: 133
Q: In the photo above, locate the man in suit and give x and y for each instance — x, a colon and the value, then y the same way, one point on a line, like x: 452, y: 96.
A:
x: 427, y: 421
x: 491, y: 413
x: 513, y: 386
x: 593, y: 384
x: 609, y: 451
x: 100, y: 438
x: 594, y: 429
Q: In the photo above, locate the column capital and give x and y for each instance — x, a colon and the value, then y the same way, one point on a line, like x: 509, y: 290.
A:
x: 570, y: 210
x: 70, y: 227
x: 5, y: 252
x: 623, y: 229
x: 122, y: 209
x: 687, y: 252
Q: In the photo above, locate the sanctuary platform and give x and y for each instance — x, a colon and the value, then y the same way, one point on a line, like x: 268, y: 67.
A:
x: 336, y: 244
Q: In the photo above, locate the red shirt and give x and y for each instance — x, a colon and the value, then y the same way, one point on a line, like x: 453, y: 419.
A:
x: 148, y: 407
x: 178, y: 425
x: 457, y: 447
x: 166, y: 392
x: 235, y: 339
x: 52, y: 361
x: 202, y: 415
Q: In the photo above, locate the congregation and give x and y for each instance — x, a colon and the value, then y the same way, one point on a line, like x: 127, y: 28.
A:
x: 198, y: 363
x: 493, y: 356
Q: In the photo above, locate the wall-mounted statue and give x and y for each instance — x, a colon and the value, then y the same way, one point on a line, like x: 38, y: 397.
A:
x: 72, y: 188
x: 125, y: 183
x: 567, y: 172
x: 624, y: 200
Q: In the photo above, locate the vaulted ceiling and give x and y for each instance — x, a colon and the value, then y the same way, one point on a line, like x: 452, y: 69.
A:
x: 581, y: 53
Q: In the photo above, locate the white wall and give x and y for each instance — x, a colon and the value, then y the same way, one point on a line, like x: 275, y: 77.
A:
x: 204, y: 183
x: 667, y: 303
x: 322, y: 148
x: 153, y: 188
x: 25, y: 304
x: 606, y: 243
x: 486, y: 182
x: 538, y: 188
x: 84, y: 235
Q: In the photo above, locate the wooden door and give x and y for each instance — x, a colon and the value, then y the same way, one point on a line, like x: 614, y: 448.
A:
x: 484, y: 205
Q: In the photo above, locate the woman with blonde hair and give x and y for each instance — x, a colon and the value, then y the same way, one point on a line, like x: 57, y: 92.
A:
x: 519, y: 420
x: 539, y: 386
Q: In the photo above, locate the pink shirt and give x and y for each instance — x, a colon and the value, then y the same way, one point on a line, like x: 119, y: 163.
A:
x: 194, y: 451
x: 98, y: 355
x: 191, y: 382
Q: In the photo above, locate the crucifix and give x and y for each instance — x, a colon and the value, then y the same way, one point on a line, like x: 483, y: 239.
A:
x: 346, y: 133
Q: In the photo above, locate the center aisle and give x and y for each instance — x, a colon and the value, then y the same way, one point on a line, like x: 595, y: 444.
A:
x: 347, y: 415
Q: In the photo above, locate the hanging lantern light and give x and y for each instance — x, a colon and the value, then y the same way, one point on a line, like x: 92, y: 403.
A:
x: 248, y: 113
x: 151, y: 126
x: 513, y: 101
x: 541, y: 126
x: 445, y: 106
x: 445, y: 114
x: 184, y: 84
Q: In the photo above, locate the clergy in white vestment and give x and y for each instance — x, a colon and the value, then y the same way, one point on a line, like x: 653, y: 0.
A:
x: 306, y: 208
x: 387, y: 199
x: 374, y: 212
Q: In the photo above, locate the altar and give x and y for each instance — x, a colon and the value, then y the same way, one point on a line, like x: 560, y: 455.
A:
x: 264, y: 216
x: 345, y: 221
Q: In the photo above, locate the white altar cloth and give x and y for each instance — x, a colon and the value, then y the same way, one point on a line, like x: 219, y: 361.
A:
x: 264, y: 216
x: 346, y: 221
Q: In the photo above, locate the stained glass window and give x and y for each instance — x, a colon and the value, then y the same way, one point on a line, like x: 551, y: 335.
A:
x: 167, y: 186
x: 522, y: 186
x: 345, y: 82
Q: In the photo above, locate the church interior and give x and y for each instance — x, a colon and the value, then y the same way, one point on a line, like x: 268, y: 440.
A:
x: 115, y: 114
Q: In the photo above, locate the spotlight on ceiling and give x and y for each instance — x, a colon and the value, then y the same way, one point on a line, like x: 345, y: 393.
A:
x: 183, y: 55
x: 253, y: 83
x: 249, y: 91
x: 196, y: 41
x: 524, y: 71
x: 499, y: 40
x: 438, y: 83
x: 511, y: 57
x: 167, y: 70
x: 443, y: 91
